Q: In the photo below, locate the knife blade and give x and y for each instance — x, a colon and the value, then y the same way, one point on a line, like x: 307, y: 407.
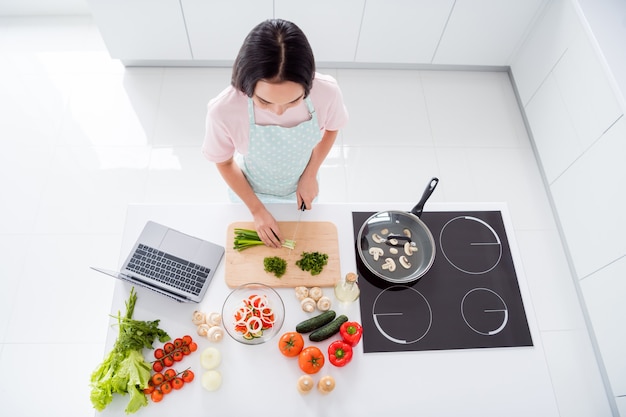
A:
x: 295, y: 232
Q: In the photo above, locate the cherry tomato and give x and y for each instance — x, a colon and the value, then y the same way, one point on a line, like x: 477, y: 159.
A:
x: 168, y: 361
x: 193, y: 346
x: 156, y: 395
x: 157, y: 379
x: 187, y: 375
x: 166, y: 387
x: 159, y: 353
x: 178, y: 355
x: 169, y: 347
x: 291, y: 344
x: 177, y: 383
x: 311, y: 360
x: 178, y: 343
x: 149, y: 390
x: 157, y: 366
x: 187, y: 340
x: 186, y: 351
x: 169, y: 374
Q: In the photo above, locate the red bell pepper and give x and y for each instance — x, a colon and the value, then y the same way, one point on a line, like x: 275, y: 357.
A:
x: 351, y: 332
x: 339, y: 353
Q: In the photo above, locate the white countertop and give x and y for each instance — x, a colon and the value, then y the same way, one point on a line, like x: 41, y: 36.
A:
x: 260, y: 381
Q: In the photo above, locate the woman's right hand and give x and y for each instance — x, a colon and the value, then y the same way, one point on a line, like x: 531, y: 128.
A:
x: 267, y: 228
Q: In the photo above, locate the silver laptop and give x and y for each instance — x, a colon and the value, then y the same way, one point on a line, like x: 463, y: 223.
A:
x: 170, y: 263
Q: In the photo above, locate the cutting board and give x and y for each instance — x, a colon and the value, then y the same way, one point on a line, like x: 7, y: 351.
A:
x: 246, y: 266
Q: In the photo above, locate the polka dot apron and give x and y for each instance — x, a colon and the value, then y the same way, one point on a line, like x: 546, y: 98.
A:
x: 278, y: 155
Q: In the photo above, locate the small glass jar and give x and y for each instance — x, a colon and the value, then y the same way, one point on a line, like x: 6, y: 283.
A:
x: 347, y: 289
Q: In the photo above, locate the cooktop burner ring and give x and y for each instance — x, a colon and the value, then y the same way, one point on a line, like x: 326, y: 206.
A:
x: 484, y: 311
x: 401, y: 326
x: 475, y: 239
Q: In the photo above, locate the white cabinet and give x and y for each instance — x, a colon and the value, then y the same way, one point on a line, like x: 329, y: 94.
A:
x: 142, y: 30
x: 217, y: 28
x: 332, y: 27
x: 402, y: 31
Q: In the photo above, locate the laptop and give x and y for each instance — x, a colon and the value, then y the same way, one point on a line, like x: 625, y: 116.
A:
x: 170, y: 263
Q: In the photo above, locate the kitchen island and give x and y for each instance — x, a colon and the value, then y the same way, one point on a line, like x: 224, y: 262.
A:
x: 258, y: 380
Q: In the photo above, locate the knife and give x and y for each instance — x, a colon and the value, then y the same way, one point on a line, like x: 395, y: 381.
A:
x: 295, y: 232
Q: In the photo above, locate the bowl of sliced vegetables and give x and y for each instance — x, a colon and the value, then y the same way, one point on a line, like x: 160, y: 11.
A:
x: 253, y: 313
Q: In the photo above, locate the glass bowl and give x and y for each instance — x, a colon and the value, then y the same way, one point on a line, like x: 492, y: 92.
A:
x: 253, y: 313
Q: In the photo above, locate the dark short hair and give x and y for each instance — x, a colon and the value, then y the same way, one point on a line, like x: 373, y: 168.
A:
x: 275, y: 50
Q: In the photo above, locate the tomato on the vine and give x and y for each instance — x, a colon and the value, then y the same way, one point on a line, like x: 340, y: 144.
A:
x: 187, y: 340
x: 177, y: 383
x: 157, y: 366
x: 149, y: 390
x: 168, y: 361
x: 169, y: 374
x: 169, y: 347
x: 158, y: 379
x: 159, y: 353
x: 187, y: 375
x: 177, y: 355
x: 156, y: 395
x: 166, y: 387
x: 178, y: 343
x: 193, y: 346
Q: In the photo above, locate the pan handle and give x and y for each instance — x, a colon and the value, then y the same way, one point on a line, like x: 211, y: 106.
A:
x: 419, y: 207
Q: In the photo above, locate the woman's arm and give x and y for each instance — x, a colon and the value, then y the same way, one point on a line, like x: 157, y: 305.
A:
x: 265, y: 224
x: 308, y: 188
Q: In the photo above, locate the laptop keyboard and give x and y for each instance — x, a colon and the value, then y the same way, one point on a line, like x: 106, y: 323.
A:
x: 168, y: 269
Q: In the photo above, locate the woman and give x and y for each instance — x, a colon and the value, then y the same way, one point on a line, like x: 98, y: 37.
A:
x: 271, y: 129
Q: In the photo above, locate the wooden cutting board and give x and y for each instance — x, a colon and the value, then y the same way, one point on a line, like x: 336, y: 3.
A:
x: 246, y: 266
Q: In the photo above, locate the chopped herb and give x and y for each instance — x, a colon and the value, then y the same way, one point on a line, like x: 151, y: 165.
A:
x: 276, y: 265
x: 313, y: 262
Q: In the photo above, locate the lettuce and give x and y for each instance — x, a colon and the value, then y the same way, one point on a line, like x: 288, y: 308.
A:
x: 124, y: 370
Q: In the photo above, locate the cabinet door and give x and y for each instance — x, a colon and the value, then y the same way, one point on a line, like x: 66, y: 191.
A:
x: 217, y: 28
x: 402, y: 31
x: 332, y: 27
x: 142, y: 29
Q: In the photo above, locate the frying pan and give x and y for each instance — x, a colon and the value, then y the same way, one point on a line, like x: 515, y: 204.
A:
x: 397, y: 246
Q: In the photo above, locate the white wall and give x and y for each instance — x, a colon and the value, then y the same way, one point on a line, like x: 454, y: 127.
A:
x: 43, y: 7
x: 576, y: 116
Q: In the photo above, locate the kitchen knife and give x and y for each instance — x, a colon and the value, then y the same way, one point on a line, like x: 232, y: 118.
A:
x: 295, y: 232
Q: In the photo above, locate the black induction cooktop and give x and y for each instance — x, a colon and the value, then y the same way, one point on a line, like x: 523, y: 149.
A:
x: 469, y: 298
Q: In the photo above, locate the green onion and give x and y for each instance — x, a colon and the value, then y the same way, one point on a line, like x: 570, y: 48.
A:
x: 246, y: 238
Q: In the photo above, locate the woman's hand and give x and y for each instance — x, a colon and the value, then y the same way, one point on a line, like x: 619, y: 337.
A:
x: 267, y: 228
x: 307, y: 190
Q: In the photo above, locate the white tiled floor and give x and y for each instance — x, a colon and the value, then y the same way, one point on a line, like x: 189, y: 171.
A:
x: 82, y: 137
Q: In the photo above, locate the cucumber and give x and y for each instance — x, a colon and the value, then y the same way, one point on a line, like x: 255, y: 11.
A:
x: 315, y: 322
x: 328, y: 330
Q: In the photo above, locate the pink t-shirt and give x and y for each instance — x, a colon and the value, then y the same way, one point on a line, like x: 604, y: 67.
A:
x: 228, y: 125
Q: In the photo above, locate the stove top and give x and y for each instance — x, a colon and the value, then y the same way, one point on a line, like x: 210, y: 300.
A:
x: 469, y: 298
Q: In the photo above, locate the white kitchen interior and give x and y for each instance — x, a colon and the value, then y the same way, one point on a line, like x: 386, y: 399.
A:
x: 519, y: 102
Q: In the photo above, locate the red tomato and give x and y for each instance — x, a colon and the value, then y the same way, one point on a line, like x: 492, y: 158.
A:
x: 166, y: 387
x: 156, y: 395
x: 168, y: 361
x: 169, y: 374
x: 178, y: 355
x: 193, y: 346
x: 157, y: 379
x: 177, y: 383
x: 291, y: 344
x: 187, y: 375
x: 178, y: 342
x: 186, y: 350
x: 159, y: 353
x: 169, y: 347
x: 157, y: 366
x: 311, y: 360
x: 148, y: 390
x: 187, y: 339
